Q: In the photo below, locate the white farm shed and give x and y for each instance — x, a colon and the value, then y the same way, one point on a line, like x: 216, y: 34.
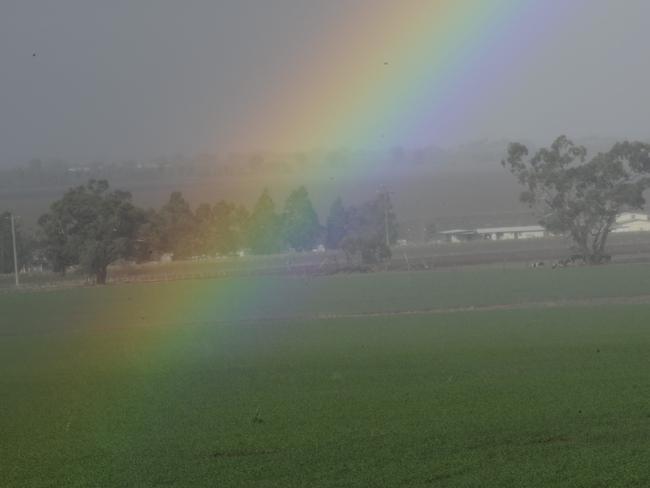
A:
x: 459, y: 235
x: 495, y: 233
x: 625, y: 222
x: 505, y: 233
x: 632, y: 222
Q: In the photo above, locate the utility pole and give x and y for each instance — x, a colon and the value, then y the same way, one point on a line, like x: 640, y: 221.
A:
x: 385, y: 220
x: 386, y: 194
x: 13, y: 241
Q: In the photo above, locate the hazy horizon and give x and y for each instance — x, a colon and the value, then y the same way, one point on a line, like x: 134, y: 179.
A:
x: 99, y: 81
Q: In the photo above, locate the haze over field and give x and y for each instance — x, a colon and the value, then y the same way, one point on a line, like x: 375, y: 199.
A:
x: 222, y: 99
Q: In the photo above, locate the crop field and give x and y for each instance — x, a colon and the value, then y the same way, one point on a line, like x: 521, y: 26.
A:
x: 472, y: 377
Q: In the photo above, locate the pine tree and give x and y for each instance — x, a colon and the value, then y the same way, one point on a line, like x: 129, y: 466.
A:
x: 336, y: 225
x: 265, y: 231
x: 301, y: 226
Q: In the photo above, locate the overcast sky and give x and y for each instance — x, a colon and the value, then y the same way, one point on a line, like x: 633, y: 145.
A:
x: 138, y: 79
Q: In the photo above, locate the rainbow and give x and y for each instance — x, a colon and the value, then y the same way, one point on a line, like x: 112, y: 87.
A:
x: 402, y: 73
x: 394, y: 72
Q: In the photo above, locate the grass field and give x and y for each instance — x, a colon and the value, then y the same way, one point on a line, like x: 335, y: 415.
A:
x: 309, y: 382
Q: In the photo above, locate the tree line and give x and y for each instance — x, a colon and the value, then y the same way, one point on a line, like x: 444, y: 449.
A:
x: 92, y: 226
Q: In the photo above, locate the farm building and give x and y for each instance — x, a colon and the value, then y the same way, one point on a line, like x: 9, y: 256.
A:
x: 632, y: 222
x: 458, y: 235
x: 520, y: 232
x: 495, y: 233
x: 625, y: 222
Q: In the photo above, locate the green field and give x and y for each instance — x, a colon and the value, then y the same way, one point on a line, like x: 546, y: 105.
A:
x: 309, y: 382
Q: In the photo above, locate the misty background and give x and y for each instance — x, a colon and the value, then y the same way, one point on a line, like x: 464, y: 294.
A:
x: 150, y: 95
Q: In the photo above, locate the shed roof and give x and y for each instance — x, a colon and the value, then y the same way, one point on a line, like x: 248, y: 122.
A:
x: 521, y: 228
x: 458, y: 231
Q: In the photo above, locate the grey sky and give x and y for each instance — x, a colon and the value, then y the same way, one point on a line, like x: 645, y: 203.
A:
x: 126, y: 79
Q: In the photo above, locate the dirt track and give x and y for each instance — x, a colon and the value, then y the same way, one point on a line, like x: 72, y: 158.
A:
x: 636, y: 300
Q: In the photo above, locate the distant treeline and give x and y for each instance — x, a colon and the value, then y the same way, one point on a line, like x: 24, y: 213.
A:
x: 299, y: 165
x: 92, y: 226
